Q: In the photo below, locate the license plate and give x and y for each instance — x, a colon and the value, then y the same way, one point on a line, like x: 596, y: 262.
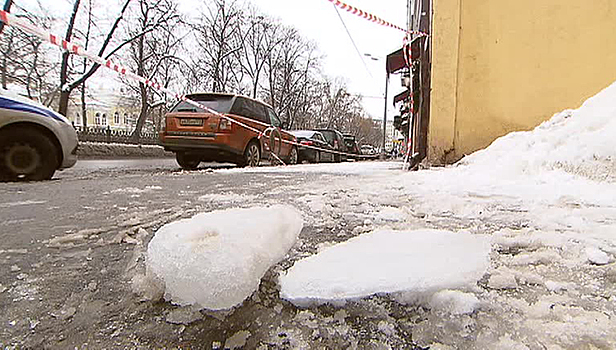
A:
x: 191, y: 122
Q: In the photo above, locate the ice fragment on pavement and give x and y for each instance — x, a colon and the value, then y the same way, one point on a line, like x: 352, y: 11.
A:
x: 407, y: 263
x: 454, y: 302
x: 503, y: 279
x: 216, y: 260
x: 390, y: 214
x: 184, y: 315
x: 596, y: 256
x: 237, y: 341
x: 555, y: 286
x: 65, y: 313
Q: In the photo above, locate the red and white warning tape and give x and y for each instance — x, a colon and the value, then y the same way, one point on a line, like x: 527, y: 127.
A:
x: 354, y: 10
x: 11, y: 20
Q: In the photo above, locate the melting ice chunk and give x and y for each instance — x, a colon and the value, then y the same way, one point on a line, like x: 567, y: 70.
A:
x: 216, y: 260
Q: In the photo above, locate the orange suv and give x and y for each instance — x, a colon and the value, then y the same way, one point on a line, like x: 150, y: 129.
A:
x: 195, y: 135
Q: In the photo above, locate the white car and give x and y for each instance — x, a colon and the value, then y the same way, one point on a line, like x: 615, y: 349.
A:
x: 34, y: 140
x: 368, y: 150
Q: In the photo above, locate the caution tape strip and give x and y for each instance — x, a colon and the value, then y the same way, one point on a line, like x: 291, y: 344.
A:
x: 11, y: 20
x: 375, y: 19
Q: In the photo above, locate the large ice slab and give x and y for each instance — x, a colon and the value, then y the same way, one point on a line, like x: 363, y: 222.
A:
x: 406, y: 263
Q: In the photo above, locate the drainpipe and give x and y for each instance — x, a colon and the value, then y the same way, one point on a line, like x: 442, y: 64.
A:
x: 385, y: 115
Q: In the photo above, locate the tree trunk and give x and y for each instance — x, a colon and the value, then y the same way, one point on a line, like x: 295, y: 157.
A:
x: 143, y: 89
x: 64, y: 95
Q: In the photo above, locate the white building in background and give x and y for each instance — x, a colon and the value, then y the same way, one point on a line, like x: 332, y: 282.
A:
x: 392, y: 136
x: 107, y: 107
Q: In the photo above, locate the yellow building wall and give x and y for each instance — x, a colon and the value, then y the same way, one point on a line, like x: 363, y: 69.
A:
x: 518, y: 63
x: 445, y: 45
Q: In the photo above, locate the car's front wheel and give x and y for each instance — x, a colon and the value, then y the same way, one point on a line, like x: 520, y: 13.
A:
x: 187, y: 162
x: 27, y: 155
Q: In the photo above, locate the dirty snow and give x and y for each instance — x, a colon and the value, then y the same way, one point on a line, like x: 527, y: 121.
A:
x: 547, y: 198
x: 215, y: 260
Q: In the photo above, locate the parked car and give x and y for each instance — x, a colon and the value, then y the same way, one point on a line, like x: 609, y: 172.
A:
x: 336, y: 140
x: 351, y: 144
x: 34, y: 140
x: 368, y: 150
x: 195, y: 135
x: 314, y: 139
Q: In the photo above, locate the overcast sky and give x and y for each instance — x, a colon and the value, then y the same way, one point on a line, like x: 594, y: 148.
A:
x: 318, y: 21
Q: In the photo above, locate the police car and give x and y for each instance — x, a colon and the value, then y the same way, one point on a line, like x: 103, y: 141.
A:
x: 34, y: 140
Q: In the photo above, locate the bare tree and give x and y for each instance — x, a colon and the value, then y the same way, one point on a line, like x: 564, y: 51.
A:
x: 218, y: 38
x: 259, y: 38
x: 154, y: 55
x: 66, y: 86
x: 25, y: 60
x: 289, y: 69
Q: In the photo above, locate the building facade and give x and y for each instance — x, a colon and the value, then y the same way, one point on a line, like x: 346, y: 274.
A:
x: 488, y: 68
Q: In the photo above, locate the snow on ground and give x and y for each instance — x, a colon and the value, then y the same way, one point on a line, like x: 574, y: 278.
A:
x: 350, y: 168
x: 227, y: 198
x: 547, y: 197
x: 545, y: 277
x: 404, y: 263
x: 216, y: 260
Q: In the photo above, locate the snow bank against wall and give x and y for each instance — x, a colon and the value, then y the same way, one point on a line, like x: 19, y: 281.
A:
x: 408, y: 264
x: 216, y: 260
x: 579, y: 141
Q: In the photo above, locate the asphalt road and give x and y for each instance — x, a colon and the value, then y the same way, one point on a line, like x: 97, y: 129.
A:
x: 68, y: 253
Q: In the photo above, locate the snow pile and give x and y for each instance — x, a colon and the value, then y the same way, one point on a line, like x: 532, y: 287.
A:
x: 216, y: 260
x: 578, y: 141
x: 409, y: 264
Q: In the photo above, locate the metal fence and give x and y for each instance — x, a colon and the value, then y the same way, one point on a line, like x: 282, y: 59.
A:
x: 108, y: 135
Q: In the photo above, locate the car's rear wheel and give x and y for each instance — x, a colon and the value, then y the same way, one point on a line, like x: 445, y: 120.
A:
x: 293, y: 158
x: 27, y: 155
x: 317, y: 157
x: 187, y: 162
x: 252, y: 155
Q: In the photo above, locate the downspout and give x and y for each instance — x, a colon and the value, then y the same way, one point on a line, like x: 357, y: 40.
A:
x: 385, y: 111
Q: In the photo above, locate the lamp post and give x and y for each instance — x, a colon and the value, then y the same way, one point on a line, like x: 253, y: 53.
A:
x: 385, y: 105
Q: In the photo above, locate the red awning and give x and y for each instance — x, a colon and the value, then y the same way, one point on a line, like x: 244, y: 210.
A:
x: 401, y: 96
x: 395, y: 61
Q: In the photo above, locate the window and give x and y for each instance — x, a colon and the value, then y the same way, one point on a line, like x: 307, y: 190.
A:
x: 219, y: 103
x: 116, y: 118
x: 77, y: 119
x: 97, y: 119
x: 274, y: 118
x: 104, y: 119
x: 125, y: 119
x: 250, y: 109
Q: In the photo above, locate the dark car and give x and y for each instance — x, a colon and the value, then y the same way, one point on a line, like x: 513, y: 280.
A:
x: 336, y: 140
x: 319, y: 151
x: 351, y: 144
x: 196, y: 135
